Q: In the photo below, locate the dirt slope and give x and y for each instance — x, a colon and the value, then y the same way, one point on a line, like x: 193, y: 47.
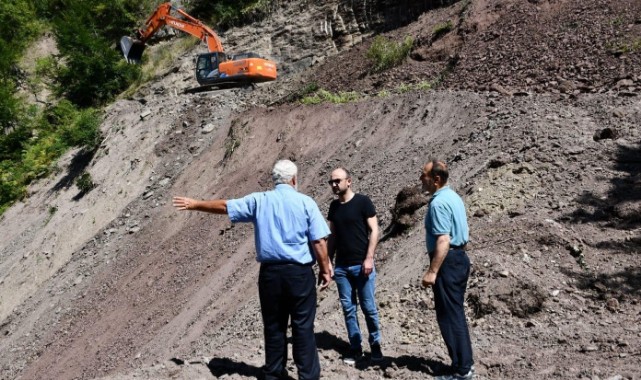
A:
x: 117, y: 285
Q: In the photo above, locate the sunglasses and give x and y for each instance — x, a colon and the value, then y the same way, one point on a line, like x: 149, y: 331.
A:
x: 332, y: 182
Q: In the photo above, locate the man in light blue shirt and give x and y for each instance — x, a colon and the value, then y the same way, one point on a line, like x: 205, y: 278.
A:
x: 446, y: 234
x: 290, y: 237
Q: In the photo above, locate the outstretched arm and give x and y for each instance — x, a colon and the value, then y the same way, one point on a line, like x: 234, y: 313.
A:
x: 216, y: 206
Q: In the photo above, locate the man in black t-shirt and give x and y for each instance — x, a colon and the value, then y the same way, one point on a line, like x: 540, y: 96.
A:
x: 354, y: 227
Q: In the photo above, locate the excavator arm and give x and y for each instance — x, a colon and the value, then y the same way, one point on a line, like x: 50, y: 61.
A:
x: 132, y: 49
x: 212, y: 68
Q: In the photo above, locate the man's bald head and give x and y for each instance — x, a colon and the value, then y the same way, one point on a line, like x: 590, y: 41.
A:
x: 438, y: 168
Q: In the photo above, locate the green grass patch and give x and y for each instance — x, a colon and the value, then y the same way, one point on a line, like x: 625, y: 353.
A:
x: 442, y: 29
x: 627, y: 47
x: 324, y: 96
x: 386, y: 54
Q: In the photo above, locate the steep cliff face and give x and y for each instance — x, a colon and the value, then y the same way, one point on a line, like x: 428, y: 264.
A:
x: 299, y: 35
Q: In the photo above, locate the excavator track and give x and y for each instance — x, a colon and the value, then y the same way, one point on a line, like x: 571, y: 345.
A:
x: 220, y: 86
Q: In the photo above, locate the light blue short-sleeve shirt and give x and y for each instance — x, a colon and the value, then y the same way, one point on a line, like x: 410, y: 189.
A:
x: 446, y: 216
x: 285, y: 223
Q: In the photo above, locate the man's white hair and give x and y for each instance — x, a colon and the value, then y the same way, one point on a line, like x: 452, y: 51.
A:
x: 284, y: 171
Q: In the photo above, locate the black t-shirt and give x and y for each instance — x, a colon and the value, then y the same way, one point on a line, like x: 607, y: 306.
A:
x: 351, y: 233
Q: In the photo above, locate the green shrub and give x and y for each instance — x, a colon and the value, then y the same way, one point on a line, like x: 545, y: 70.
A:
x: 75, y: 127
x: 387, y: 54
x: 46, y: 67
x: 83, y: 131
x: 442, y: 29
x: 38, y: 159
x: 10, y: 187
x: 228, y: 13
x: 9, y: 106
x: 85, y: 182
x: 31, y: 150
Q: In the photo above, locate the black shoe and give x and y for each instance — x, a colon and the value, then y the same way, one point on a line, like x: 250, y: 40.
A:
x: 377, y: 354
x: 353, y: 356
x: 456, y: 376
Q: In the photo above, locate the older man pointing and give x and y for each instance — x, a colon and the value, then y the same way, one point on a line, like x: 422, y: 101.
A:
x: 290, y: 235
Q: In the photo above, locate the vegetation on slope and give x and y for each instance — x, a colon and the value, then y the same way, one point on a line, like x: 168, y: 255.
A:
x: 87, y: 74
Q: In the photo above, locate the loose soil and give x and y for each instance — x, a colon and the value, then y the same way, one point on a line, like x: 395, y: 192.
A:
x: 535, y: 106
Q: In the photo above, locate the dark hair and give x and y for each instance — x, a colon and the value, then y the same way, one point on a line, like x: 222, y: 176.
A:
x: 439, y: 169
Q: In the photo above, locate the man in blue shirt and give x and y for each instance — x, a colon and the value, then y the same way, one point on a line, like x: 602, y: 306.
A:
x: 290, y: 237
x: 446, y: 234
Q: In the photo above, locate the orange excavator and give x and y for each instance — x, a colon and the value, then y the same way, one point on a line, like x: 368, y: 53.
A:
x: 212, y: 68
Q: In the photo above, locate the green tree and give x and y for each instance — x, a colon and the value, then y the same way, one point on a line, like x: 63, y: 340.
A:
x: 19, y: 24
x: 94, y: 71
x: 227, y: 13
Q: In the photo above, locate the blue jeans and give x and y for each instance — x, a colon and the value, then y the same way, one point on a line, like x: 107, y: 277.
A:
x: 353, y: 287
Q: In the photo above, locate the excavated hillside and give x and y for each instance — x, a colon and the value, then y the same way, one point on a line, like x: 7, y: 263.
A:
x: 535, y: 104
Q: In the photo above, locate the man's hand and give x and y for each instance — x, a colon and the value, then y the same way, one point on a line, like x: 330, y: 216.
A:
x: 324, y: 279
x: 183, y: 203
x: 368, y: 266
x: 429, y: 278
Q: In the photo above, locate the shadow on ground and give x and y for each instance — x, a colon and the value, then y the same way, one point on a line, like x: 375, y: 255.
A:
x: 77, y: 166
x: 620, y: 207
x: 622, y: 285
x: 327, y: 341
x: 223, y: 366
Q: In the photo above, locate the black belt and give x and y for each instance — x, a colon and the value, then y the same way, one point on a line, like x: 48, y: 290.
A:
x: 464, y: 246
x: 286, y: 263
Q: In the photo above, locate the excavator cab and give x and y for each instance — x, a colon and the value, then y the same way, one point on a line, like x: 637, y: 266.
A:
x: 207, y: 68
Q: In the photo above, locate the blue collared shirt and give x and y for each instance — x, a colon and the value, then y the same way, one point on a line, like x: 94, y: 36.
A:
x: 446, y: 216
x: 285, y: 223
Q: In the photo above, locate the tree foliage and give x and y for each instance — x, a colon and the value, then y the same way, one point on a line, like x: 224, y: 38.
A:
x: 88, y: 72
x: 228, y: 13
x: 94, y: 71
x: 19, y: 23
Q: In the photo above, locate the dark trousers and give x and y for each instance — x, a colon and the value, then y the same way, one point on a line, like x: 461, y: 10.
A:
x: 449, y: 296
x: 288, y: 291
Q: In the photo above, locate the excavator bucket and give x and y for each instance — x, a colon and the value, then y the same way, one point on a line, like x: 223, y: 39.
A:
x: 132, y: 49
